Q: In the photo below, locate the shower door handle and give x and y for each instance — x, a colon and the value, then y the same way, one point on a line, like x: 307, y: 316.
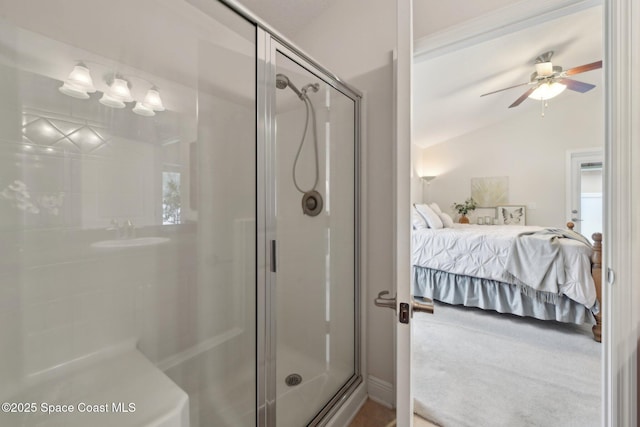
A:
x: 273, y: 265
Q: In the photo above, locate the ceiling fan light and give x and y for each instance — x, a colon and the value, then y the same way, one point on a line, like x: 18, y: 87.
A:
x: 152, y: 100
x: 544, y: 69
x: 81, y: 77
x: 547, y: 91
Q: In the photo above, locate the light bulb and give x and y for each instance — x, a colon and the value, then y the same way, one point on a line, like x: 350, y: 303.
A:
x: 143, y: 110
x: 81, y: 77
x: 110, y: 101
x: 119, y: 89
x: 152, y: 100
x: 547, y: 91
x: 74, y: 91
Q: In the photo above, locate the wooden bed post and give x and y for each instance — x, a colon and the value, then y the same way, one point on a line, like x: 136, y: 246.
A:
x: 596, y: 272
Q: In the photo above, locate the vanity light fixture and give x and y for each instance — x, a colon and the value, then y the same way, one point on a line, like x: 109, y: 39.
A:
x: 110, y: 101
x: 117, y: 94
x: 119, y: 89
x: 142, y: 109
x: 152, y: 100
x: 79, y: 84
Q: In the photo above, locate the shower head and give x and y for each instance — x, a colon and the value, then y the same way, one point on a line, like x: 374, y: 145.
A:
x: 283, y: 81
x: 313, y: 86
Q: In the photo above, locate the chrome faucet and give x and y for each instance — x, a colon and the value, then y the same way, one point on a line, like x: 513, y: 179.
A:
x: 126, y: 230
x: 129, y: 230
x: 114, y: 226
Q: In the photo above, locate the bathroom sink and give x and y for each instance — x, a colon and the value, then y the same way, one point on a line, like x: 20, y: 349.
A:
x: 130, y: 243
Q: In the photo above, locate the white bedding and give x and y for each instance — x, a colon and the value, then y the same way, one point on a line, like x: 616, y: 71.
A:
x: 482, y: 251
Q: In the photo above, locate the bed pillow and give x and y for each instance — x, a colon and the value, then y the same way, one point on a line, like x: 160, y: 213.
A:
x: 417, y: 221
x: 435, y: 208
x: 432, y: 218
x: 446, y: 219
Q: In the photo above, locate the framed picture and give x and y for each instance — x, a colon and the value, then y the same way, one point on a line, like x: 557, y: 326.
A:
x: 511, y: 214
x: 489, y: 192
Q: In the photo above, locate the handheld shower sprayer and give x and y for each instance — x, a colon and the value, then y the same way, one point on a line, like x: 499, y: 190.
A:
x: 312, y: 203
x: 282, y: 82
x: 313, y: 86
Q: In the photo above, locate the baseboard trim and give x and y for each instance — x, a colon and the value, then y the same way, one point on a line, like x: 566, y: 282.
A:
x: 350, y: 409
x: 381, y: 391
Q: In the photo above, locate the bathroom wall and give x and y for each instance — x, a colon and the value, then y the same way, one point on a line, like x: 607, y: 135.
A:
x: 64, y: 178
x: 364, y: 59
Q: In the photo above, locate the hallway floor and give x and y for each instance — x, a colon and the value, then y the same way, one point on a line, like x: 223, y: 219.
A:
x: 373, y: 414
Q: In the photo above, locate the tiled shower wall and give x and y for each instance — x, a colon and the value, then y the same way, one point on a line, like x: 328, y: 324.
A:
x: 68, y: 299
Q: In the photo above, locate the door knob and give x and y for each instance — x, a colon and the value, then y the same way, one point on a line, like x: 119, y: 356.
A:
x: 381, y: 301
x: 424, y: 305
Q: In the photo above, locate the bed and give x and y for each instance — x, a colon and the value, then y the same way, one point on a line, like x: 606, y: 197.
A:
x: 545, y: 273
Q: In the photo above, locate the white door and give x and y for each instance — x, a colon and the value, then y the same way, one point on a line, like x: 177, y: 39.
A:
x: 584, y: 190
x: 402, y: 156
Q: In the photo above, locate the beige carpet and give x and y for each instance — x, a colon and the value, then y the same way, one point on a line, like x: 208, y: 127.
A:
x: 478, y: 368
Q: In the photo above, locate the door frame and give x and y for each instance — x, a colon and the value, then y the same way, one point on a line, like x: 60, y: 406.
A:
x: 573, y: 159
x: 351, y: 394
x: 402, y: 70
x: 621, y: 291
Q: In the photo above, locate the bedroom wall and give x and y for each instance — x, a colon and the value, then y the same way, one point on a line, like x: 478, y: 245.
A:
x: 364, y: 59
x: 529, y: 149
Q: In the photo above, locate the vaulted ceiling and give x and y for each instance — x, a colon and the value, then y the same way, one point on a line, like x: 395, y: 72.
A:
x: 447, y: 86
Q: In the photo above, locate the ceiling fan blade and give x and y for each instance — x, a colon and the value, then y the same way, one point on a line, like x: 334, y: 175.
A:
x: 583, y: 68
x: 581, y: 87
x: 522, y: 97
x: 506, y: 88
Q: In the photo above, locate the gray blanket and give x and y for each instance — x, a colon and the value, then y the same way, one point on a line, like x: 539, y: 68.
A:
x: 536, y: 261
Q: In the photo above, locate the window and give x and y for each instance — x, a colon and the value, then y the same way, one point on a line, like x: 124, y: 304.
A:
x: 171, y: 202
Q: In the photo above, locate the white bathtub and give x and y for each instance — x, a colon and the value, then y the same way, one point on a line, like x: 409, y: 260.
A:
x: 122, y: 388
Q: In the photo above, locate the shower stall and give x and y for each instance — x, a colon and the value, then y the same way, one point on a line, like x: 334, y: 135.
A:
x: 179, y: 219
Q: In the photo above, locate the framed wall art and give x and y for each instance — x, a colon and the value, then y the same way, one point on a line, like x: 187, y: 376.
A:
x: 511, y: 214
x: 490, y: 192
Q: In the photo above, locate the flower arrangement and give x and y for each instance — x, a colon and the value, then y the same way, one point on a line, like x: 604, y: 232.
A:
x: 466, y: 207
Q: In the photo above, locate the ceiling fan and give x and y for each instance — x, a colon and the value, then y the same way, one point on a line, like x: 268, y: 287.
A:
x: 549, y: 80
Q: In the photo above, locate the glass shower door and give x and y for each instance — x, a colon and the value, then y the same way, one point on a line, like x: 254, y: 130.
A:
x: 315, y: 305
x: 127, y: 214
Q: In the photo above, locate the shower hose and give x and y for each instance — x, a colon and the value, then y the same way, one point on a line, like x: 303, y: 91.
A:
x: 310, y: 110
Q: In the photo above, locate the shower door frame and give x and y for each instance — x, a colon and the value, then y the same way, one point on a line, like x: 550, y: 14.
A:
x: 268, y: 44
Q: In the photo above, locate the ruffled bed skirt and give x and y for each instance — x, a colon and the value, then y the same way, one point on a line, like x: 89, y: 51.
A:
x: 498, y: 296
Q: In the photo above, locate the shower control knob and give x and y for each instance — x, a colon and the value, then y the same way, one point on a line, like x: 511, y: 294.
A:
x: 312, y: 203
